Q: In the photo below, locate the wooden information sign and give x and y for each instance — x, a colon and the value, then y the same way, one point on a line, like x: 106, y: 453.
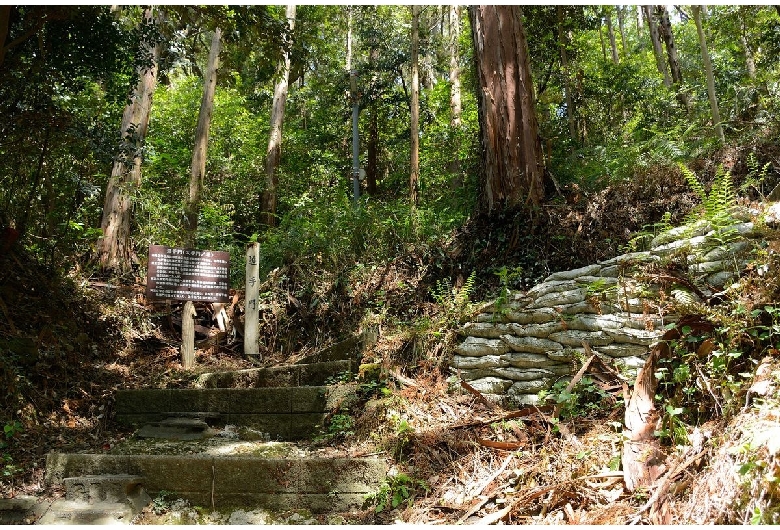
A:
x: 186, y: 274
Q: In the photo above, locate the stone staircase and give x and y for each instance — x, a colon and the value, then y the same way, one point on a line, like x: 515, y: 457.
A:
x: 226, y: 443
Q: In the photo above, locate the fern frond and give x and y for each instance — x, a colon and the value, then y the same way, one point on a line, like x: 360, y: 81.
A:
x: 693, y: 182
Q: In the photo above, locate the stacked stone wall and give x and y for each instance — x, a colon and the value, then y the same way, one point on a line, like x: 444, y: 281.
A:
x: 521, y: 345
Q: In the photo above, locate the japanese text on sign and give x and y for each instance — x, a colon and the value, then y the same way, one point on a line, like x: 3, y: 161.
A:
x: 185, y: 274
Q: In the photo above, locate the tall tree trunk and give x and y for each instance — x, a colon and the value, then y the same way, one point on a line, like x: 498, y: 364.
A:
x: 705, y: 57
x: 611, y: 33
x: 114, y: 249
x: 200, y: 150
x: 750, y: 62
x: 655, y: 40
x: 274, y: 154
x: 455, y: 100
x: 562, y: 44
x: 638, y: 23
x: 622, y: 27
x: 414, y: 174
x: 513, y: 167
x: 603, y: 46
x: 372, y: 143
x: 665, y: 30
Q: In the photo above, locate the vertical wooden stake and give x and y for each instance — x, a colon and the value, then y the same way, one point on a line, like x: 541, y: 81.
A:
x: 252, y: 310
x: 188, y: 335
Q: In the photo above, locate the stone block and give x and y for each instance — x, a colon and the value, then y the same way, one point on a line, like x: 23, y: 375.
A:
x: 531, y: 344
x: 529, y: 387
x: 552, y: 286
x: 634, y: 336
x: 491, y: 385
x: 143, y: 401
x: 588, y: 270
x: 595, y: 322
x: 562, y: 298
x: 477, y: 347
x: 523, y: 400
x: 484, y: 330
x: 470, y: 363
x: 575, y: 337
x: 623, y: 350
x: 523, y: 374
x: 528, y: 360
x: 536, y: 330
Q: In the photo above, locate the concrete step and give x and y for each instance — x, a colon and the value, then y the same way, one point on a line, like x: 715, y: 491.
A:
x: 314, y: 374
x: 175, y: 428
x: 23, y: 509
x: 112, y: 488
x: 318, y: 484
x: 66, y: 512
x: 291, y: 413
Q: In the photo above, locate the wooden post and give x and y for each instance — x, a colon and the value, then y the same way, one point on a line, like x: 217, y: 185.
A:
x: 252, y: 310
x: 188, y: 335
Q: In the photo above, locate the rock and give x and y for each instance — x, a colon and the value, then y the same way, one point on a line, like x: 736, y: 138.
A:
x: 535, y: 316
x: 529, y: 387
x: 523, y: 374
x: 623, y: 350
x: 571, y: 274
x: 522, y: 400
x: 566, y: 354
x: 531, y: 344
x: 720, y: 279
x: 580, y: 307
x: 725, y: 252
x: 630, y: 258
x: 562, y: 298
x: 668, y: 248
x: 575, y: 337
x: 710, y: 267
x: 553, y: 286
x: 634, y: 336
x: 528, y: 360
x: 477, y: 347
x: 772, y: 216
x: 484, y: 330
x: 491, y: 385
x: 699, y: 228
x: 470, y: 363
x: 613, y: 271
x: 536, y: 330
x: 595, y: 322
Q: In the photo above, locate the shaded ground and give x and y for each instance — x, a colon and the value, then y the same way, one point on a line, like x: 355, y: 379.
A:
x: 68, y: 343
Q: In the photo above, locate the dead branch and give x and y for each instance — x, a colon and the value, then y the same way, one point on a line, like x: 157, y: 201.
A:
x: 478, y: 394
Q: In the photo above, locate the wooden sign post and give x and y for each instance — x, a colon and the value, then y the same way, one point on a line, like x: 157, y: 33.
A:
x: 191, y: 275
x: 252, y: 309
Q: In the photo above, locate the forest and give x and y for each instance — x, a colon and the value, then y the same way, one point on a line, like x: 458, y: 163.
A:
x: 411, y: 176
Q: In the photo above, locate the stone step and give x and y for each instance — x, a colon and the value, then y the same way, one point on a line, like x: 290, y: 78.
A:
x: 317, y: 484
x: 112, y: 488
x: 175, y: 428
x: 314, y: 374
x: 66, y: 512
x: 287, y: 413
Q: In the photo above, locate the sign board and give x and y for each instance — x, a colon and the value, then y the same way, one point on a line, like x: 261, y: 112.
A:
x: 186, y: 274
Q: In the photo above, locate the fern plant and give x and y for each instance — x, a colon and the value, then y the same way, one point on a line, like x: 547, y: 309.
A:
x: 720, y: 201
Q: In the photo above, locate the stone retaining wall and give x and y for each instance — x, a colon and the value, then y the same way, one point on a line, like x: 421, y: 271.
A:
x: 522, y: 345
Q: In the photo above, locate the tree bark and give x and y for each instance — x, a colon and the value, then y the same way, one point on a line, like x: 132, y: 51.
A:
x: 750, y: 62
x: 513, y: 167
x: 414, y: 173
x: 665, y: 29
x: 114, y: 248
x: 455, y: 99
x: 562, y: 44
x: 622, y: 27
x: 611, y: 33
x: 274, y: 153
x: 655, y: 39
x: 705, y: 57
x: 200, y: 150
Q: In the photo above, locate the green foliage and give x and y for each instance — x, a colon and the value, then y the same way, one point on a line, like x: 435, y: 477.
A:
x: 585, y: 398
x: 721, y: 199
x: 396, y: 490
x: 10, y: 430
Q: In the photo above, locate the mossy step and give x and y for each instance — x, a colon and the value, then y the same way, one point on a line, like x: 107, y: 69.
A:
x: 314, y: 374
x: 291, y: 413
x: 317, y: 484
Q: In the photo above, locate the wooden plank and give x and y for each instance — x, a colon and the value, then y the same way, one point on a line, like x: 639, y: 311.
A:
x: 252, y: 305
x: 188, y: 335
